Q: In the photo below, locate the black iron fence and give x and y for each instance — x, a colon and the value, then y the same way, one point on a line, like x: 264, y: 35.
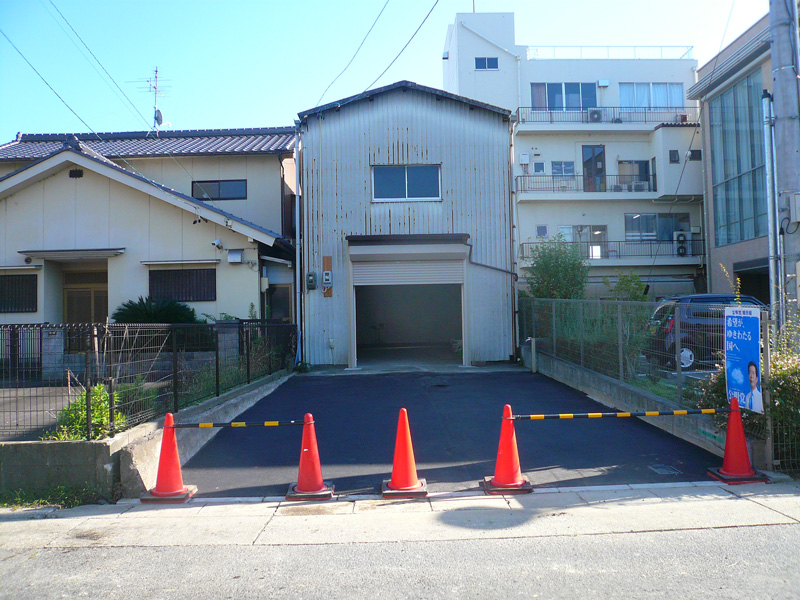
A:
x: 609, y: 114
x: 628, y: 248
x: 615, y: 184
x: 135, y: 372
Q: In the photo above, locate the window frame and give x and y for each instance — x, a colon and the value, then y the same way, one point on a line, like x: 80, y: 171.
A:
x: 190, y: 294
x: 23, y: 279
x: 486, y: 66
x: 204, y: 183
x: 406, y: 198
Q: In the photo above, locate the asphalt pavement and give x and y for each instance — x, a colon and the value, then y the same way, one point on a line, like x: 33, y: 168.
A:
x: 455, y: 419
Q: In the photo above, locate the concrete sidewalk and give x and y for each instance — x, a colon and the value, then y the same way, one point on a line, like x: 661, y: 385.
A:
x: 370, y: 519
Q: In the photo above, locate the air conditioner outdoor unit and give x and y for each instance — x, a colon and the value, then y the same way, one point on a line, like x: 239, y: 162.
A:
x: 639, y: 186
x: 681, y: 243
x: 595, y: 115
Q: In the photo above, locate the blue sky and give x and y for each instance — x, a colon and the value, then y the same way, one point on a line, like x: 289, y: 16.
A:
x: 247, y: 63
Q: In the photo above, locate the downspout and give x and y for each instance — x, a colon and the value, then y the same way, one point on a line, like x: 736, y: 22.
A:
x: 707, y: 251
x: 298, y: 264
x: 512, y: 215
x: 772, y: 236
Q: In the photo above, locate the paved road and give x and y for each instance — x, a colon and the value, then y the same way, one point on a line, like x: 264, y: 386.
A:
x: 455, y: 426
x: 710, y: 541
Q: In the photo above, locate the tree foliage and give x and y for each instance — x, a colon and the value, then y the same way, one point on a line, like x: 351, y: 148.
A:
x: 629, y: 286
x: 558, y: 270
x: 147, y: 310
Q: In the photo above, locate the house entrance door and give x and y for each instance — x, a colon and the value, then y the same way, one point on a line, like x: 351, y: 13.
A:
x: 85, y: 297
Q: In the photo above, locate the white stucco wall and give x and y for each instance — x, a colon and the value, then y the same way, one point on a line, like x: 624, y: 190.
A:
x: 59, y: 213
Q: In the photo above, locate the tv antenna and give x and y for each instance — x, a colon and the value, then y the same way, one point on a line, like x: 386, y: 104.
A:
x: 158, y: 118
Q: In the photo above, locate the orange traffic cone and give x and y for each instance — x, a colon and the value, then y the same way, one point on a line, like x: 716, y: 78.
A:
x: 404, y: 482
x: 169, y: 481
x: 508, y: 477
x: 309, y: 484
x: 736, y: 466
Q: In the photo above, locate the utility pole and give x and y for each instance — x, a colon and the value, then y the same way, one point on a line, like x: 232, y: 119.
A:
x: 786, y: 111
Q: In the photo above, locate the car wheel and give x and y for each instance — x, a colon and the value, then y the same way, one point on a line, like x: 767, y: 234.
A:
x: 688, y: 358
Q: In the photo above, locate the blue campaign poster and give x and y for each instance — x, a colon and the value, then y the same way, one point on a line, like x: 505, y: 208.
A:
x: 743, y: 356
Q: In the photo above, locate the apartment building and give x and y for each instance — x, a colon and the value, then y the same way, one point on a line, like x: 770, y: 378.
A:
x: 606, y: 150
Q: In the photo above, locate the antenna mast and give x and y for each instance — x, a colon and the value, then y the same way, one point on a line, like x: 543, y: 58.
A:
x: 157, y: 116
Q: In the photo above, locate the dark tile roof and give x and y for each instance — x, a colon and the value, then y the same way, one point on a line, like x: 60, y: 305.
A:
x: 133, y: 144
x: 408, y: 85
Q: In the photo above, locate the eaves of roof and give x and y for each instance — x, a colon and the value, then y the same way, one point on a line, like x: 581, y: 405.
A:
x: 226, y: 216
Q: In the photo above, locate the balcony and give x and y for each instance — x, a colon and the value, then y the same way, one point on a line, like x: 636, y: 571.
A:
x: 616, y: 184
x: 633, y: 252
x: 609, y: 116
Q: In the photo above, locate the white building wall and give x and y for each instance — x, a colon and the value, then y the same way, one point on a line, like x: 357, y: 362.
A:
x: 59, y: 213
x: 407, y: 127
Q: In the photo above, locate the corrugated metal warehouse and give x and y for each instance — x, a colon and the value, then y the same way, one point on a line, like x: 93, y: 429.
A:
x: 407, y: 228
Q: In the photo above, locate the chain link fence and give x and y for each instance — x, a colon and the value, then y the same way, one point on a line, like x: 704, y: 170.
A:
x: 135, y: 372
x: 671, y: 349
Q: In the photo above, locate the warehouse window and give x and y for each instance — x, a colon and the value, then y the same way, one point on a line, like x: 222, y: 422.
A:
x: 184, y: 285
x: 401, y: 183
x: 18, y: 293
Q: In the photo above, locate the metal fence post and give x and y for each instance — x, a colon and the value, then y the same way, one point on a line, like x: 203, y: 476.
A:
x: 580, y: 318
x: 620, y: 353
x: 247, y: 351
x: 173, y: 333
x: 112, y: 405
x: 216, y: 357
x: 678, y: 347
x: 554, y: 328
x: 88, y: 387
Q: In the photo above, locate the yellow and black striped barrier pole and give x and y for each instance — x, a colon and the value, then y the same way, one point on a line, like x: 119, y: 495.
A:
x: 236, y: 424
x: 620, y: 415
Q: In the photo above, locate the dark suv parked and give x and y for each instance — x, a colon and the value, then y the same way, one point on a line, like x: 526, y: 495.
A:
x: 702, y: 325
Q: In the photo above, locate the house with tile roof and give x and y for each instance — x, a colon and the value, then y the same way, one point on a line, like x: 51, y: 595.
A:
x: 88, y: 221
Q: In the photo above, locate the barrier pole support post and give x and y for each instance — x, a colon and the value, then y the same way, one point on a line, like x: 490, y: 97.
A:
x: 620, y: 354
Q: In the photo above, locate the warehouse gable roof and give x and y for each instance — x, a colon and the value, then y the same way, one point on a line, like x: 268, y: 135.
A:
x: 402, y: 85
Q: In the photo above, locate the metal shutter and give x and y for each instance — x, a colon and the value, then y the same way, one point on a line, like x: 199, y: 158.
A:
x: 408, y: 272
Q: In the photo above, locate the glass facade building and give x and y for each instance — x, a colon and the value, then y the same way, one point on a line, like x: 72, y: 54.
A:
x: 737, y: 155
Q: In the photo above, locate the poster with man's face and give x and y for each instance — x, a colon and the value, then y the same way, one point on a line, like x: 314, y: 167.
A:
x: 743, y: 356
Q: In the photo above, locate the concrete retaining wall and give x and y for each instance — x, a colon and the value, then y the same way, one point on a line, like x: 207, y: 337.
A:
x: 696, y: 429
x: 126, y: 464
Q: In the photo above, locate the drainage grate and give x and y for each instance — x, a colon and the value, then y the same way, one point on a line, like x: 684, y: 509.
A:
x: 664, y: 470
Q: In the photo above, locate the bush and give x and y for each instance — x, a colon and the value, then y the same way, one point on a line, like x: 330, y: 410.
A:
x: 147, y: 310
x: 72, y: 418
x: 558, y: 270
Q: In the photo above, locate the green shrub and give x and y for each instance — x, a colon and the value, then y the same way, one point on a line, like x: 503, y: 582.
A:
x: 61, y: 496
x: 147, y: 310
x: 72, y: 418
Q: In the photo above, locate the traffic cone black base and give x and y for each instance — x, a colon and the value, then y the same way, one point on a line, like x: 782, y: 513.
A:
x: 326, y: 493
x: 495, y: 490
x: 418, y: 492
x: 191, y: 490
x: 756, y: 478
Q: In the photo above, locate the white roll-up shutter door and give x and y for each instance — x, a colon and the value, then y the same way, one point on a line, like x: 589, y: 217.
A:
x: 408, y: 272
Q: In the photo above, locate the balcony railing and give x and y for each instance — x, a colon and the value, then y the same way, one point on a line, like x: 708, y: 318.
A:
x: 609, y: 114
x: 584, y: 183
x: 629, y: 249
x: 609, y: 52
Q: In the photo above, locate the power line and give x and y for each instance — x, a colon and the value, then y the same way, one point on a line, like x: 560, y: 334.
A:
x: 404, y: 47
x: 97, y: 60
x: 354, y: 55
